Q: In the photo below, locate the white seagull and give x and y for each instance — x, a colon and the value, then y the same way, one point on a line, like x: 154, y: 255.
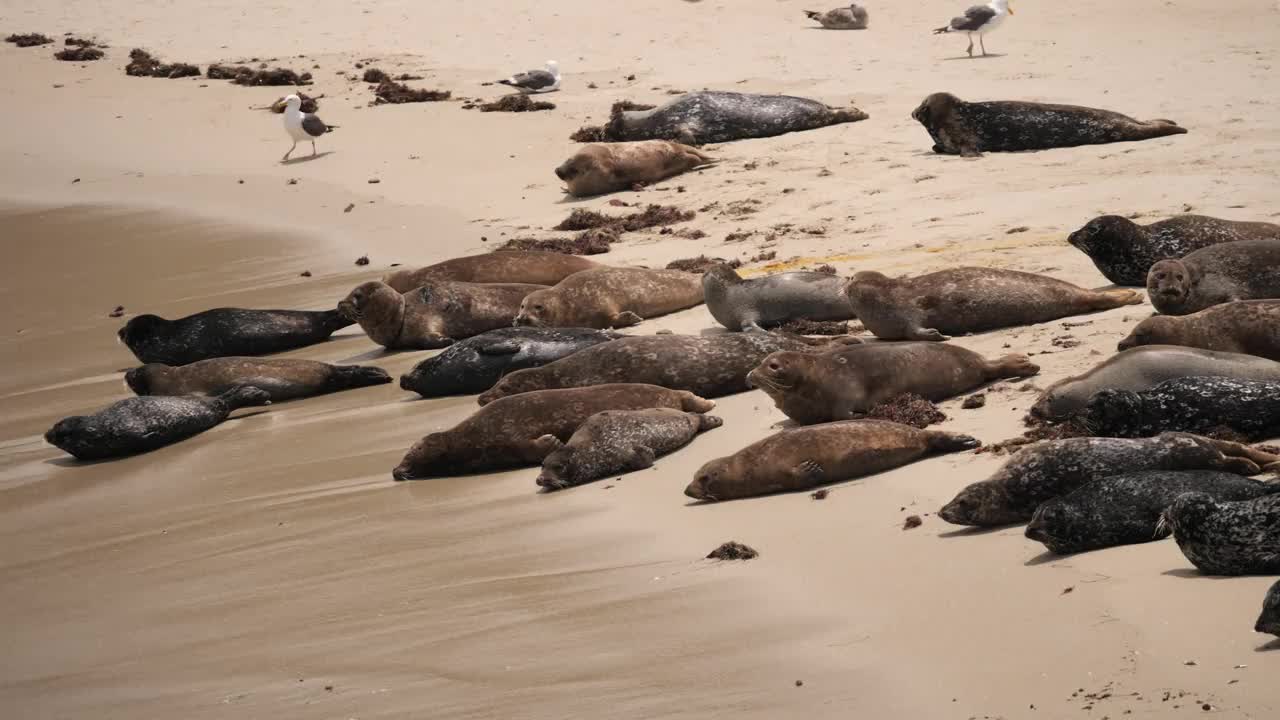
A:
x: 302, y: 125
x: 980, y: 19
x: 536, y: 81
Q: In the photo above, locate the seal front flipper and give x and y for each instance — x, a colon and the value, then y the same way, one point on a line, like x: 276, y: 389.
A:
x: 945, y: 442
x: 1237, y: 465
x: 498, y: 347
x: 808, y: 473
x: 641, y: 457
x: 929, y: 334
x: 334, y: 320
x: 427, y: 342
x: 626, y: 318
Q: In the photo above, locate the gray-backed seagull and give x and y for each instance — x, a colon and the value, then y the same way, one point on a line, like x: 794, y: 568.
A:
x: 536, y: 81
x: 980, y: 19
x: 302, y: 125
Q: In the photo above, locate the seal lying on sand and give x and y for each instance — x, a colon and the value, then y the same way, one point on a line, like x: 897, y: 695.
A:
x: 611, y: 298
x: 1124, y: 251
x: 435, y: 314
x: 841, y: 384
x: 970, y: 299
x: 222, y: 332
x: 1245, y: 270
x: 510, y: 432
x: 141, y: 424
x: 1053, y: 468
x: 698, y: 118
x: 1145, y: 367
x: 1228, y: 538
x: 604, y: 168
x: 853, y: 17
x: 771, y: 300
x: 534, y: 267
x: 801, y: 458
x: 620, y: 441
x: 1189, y: 404
x: 475, y: 364
x: 1125, y: 509
x: 283, y: 378
x: 1251, y: 327
x: 972, y: 128
x: 1269, y: 620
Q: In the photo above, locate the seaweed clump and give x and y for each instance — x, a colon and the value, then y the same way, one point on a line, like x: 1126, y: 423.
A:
x: 309, y: 104
x: 247, y: 76
x: 805, y: 326
x: 516, y: 103
x: 394, y: 93
x: 733, y: 551
x: 610, y: 131
x: 143, y: 64
x: 908, y: 409
x: 79, y: 54
x: 651, y: 216
x: 1040, y: 430
x: 701, y: 264
x: 28, y: 39
x: 589, y: 242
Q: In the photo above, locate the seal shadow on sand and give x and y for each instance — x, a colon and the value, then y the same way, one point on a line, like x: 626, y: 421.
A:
x: 975, y: 531
x: 306, y: 158
x: 1271, y: 646
x: 1191, y: 573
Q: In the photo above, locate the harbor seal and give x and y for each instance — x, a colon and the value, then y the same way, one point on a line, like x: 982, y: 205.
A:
x: 1124, y: 251
x: 853, y: 17
x: 609, y: 167
x: 1228, y: 538
x: 475, y: 364
x: 1188, y: 404
x: 969, y: 129
x: 432, y: 315
x: 282, y: 378
x: 141, y: 424
x: 620, y: 441
x: 802, y: 458
x: 510, y: 432
x: 1052, y: 468
x: 1250, y: 327
x: 698, y: 118
x: 1126, y: 509
x: 1244, y: 270
x: 609, y: 297
x: 532, y: 267
x: 223, y: 332
x: 1269, y: 620
x: 838, y: 385
x: 1145, y: 367
x: 773, y: 300
x: 968, y: 300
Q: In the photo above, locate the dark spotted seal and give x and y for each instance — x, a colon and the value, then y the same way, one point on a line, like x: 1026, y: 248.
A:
x: 611, y: 298
x: 1124, y: 251
x: 227, y: 331
x: 283, y: 378
x: 772, y: 300
x: 510, y: 432
x: 1269, y: 620
x: 1244, y: 270
x: 620, y: 441
x: 1228, y: 538
x: 532, y: 267
x: 1052, y: 468
x: 841, y: 384
x: 802, y: 458
x: 698, y: 118
x: 1189, y: 404
x: 968, y: 300
x: 1251, y: 327
x: 435, y: 314
x: 141, y: 424
x: 1126, y: 509
x: 609, y: 167
x: 475, y: 364
x: 972, y: 128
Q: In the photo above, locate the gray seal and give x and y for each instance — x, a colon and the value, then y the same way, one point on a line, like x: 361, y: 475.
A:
x: 1269, y: 620
x: 227, y: 331
x: 1228, y: 538
x: 1250, y: 327
x: 698, y: 118
x: 772, y: 300
x: 1244, y: 270
x: 283, y: 378
x: 1189, y: 404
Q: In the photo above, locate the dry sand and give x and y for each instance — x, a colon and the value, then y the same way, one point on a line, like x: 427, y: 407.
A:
x: 271, y: 568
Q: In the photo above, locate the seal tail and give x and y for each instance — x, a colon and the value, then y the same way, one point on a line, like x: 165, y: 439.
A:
x: 847, y: 115
x: 1108, y: 299
x: 1014, y: 365
x: 945, y: 442
x: 244, y: 396
x: 1160, y: 127
x: 346, y: 377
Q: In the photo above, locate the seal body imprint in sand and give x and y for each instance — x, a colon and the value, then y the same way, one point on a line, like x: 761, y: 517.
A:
x: 762, y: 302
x: 509, y: 432
x: 435, y: 314
x: 970, y: 299
x: 802, y: 458
x: 703, y: 117
x: 972, y: 128
x: 611, y: 297
x: 1269, y: 620
x: 1228, y: 538
x: 533, y: 267
x: 1189, y: 404
x: 222, y: 332
x: 1245, y: 270
x: 1251, y: 327
x: 283, y: 378
x: 610, y: 167
x: 1049, y: 469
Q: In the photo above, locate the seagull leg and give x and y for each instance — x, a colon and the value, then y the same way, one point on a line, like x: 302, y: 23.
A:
x: 313, y: 148
x: 286, y: 155
x: 982, y: 41
x: 970, y: 50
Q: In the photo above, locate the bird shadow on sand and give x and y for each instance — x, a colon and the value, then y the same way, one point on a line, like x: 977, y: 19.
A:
x: 988, y: 56
x: 306, y: 158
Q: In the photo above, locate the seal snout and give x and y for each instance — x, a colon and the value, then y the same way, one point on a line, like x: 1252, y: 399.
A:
x: 406, y: 383
x: 401, y: 473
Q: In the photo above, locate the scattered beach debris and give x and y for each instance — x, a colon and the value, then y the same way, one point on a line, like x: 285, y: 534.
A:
x: 908, y: 409
x: 305, y: 273
x: 516, y: 103
x: 825, y: 269
x: 80, y: 42
x: 362, y: 260
x: 394, y: 93
x: 374, y: 181
x: 309, y: 104
x: 1015, y: 230
x: 912, y: 521
x: 118, y: 312
x: 247, y: 76
x: 1039, y: 430
x: 590, y: 242
x: 600, y: 133
x: 974, y: 401
x: 1068, y: 590
x: 764, y: 255
x: 805, y: 326
x: 28, y: 39
x: 820, y: 494
x: 701, y: 264
x: 733, y: 551
x: 77, y: 53
x: 143, y: 64
x: 349, y: 207
x: 374, y: 75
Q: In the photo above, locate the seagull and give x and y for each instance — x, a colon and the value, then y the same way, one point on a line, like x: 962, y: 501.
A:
x: 980, y: 19
x: 536, y: 81
x: 853, y: 17
x: 302, y: 125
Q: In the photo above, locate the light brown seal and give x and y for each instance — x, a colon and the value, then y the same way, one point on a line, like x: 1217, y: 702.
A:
x: 534, y: 267
x: 1244, y: 270
x: 283, y: 378
x: 432, y: 315
x: 604, y: 168
x: 1251, y: 327
x: 611, y: 297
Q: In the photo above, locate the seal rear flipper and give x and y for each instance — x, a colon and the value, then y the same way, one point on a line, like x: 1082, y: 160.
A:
x: 357, y: 376
x: 1118, y: 298
x: 945, y: 442
x: 692, y: 403
x: 626, y: 318
x: 709, y: 422
x: 244, y: 396
x: 1013, y: 365
x: 427, y: 342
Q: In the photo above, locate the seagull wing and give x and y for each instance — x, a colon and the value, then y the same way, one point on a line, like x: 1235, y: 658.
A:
x: 974, y: 18
x: 314, y: 126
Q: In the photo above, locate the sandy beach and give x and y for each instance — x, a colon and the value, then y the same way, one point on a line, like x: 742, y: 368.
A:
x: 271, y: 568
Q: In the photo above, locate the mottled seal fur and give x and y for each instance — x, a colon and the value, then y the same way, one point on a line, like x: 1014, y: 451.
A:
x: 1269, y: 620
x: 1145, y: 367
x: 1126, y: 509
x: 609, y: 167
x: 435, y: 314
x: 841, y: 384
x: 698, y: 118
x: 1053, y: 468
x: 972, y: 128
x: 509, y: 432
x: 970, y: 299
x: 475, y: 364
x: 620, y: 441
x: 611, y: 297
x: 853, y: 17
x: 532, y: 267
x: 1124, y: 251
x: 222, y: 332
x: 802, y: 458
x: 1251, y: 327
x: 755, y: 304
x: 1189, y: 404
x: 283, y: 378
x: 140, y: 424
x: 1228, y: 538
x: 1244, y: 270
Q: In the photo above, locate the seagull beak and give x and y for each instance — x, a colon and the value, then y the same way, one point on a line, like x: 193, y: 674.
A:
x: 1011, y: 10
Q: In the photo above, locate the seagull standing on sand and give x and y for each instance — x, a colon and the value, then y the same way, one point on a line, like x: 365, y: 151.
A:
x: 536, y: 81
x: 980, y: 19
x: 302, y: 125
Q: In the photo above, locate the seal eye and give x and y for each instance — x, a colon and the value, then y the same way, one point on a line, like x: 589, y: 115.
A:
x: 538, y: 308
x: 775, y: 366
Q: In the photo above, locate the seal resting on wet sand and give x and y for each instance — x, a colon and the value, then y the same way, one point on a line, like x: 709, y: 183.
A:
x: 223, y: 332
x: 1188, y: 404
x: 1251, y: 327
x: 972, y: 128
x: 1228, y: 538
x: 432, y: 315
x: 1269, y: 620
x: 609, y: 167
x: 968, y: 300
x: 1244, y: 270
x: 620, y: 441
x: 610, y: 297
x: 755, y: 304
x: 702, y: 117
x: 282, y: 378
x: 802, y: 458
x: 510, y: 432
x: 533, y: 267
